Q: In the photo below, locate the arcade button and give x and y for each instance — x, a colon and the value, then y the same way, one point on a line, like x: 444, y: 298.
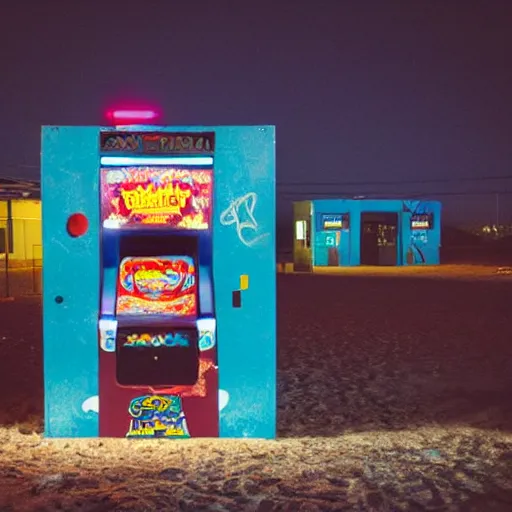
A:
x: 77, y: 225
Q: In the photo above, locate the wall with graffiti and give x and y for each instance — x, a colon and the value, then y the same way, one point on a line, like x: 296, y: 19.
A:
x: 347, y: 232
x: 233, y: 203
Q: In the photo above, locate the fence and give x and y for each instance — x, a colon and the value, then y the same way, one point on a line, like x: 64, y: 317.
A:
x: 20, y: 257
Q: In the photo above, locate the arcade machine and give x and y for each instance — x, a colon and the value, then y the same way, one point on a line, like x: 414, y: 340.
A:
x: 157, y: 320
x: 175, y: 242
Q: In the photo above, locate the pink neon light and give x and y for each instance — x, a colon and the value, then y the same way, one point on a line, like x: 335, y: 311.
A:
x: 133, y: 115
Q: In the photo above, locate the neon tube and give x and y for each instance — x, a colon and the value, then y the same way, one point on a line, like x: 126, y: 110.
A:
x: 132, y: 115
x: 141, y: 160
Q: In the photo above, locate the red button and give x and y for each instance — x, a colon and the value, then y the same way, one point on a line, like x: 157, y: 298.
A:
x: 77, y: 225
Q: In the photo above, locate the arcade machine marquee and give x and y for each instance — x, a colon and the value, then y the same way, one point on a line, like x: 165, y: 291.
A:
x: 159, y: 306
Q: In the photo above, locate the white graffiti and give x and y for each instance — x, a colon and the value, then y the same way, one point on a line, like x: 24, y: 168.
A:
x: 241, y: 213
x: 91, y: 404
x: 223, y: 399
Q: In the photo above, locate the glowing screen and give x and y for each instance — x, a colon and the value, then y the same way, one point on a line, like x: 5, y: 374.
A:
x: 175, y: 197
x: 162, y: 339
x: 159, y: 285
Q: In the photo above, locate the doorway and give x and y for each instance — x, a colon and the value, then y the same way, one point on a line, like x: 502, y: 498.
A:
x: 379, y: 238
x: 333, y: 257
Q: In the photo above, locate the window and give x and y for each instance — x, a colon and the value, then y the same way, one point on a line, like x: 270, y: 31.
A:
x: 3, y: 240
x: 335, y: 221
x: 302, y: 233
x: 422, y: 221
x: 300, y: 230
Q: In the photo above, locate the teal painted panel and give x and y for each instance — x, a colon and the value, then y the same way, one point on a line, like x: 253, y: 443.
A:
x: 355, y: 233
x: 244, y: 244
x: 406, y: 237
x: 349, y: 253
x: 411, y: 248
x: 423, y: 246
x: 320, y: 250
x: 69, y: 175
x: 325, y: 241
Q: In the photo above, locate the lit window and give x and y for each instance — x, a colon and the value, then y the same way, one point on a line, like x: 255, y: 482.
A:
x: 301, y: 230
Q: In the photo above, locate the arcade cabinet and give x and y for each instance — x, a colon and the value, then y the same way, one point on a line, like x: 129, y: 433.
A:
x: 159, y: 313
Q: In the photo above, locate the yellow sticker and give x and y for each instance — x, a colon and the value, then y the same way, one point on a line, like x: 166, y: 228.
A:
x: 244, y: 282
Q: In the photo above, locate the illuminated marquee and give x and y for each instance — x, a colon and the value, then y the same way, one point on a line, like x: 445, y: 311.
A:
x: 156, y: 143
x: 177, y: 198
x: 168, y: 200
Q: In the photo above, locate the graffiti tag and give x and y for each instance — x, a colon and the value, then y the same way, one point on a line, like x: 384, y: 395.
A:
x: 240, y: 213
x: 91, y: 404
x: 157, y: 416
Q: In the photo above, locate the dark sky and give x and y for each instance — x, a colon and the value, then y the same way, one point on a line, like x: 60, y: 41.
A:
x: 360, y: 91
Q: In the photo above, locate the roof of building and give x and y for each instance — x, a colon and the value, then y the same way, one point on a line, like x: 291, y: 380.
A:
x: 12, y: 188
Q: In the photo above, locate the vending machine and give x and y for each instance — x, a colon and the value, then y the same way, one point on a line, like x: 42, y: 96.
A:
x: 159, y: 281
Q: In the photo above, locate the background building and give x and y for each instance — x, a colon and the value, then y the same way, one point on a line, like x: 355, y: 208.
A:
x: 20, y: 223
x: 348, y: 232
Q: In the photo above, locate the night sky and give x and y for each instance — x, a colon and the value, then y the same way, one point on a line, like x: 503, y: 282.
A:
x: 380, y: 93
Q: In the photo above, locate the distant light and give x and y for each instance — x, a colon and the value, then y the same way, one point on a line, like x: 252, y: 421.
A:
x: 131, y: 116
x: 132, y: 160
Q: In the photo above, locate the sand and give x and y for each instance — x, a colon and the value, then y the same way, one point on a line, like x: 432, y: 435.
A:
x: 394, y: 393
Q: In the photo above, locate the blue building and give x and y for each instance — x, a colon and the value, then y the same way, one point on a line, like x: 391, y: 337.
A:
x: 349, y: 232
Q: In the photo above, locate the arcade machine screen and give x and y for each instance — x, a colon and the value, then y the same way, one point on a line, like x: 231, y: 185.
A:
x: 174, y: 198
x: 164, y: 285
x: 156, y: 291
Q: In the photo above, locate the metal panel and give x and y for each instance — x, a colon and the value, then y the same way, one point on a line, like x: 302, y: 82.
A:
x: 69, y: 170
x: 244, y: 244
